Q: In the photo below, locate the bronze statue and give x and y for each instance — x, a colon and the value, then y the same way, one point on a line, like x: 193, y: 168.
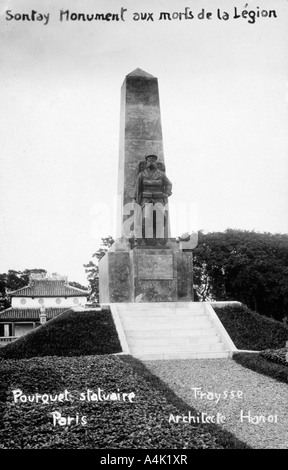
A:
x: 151, y: 193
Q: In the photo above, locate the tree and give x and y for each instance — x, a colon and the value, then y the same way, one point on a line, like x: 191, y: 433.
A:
x: 77, y: 285
x: 14, y: 280
x: 247, y: 266
x: 92, y: 268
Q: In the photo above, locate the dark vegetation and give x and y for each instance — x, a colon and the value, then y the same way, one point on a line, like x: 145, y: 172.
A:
x: 263, y: 365
x: 140, y: 424
x: 69, y: 334
x: 276, y: 355
x: 14, y: 280
x: 247, y: 266
x: 250, y: 330
x: 92, y: 268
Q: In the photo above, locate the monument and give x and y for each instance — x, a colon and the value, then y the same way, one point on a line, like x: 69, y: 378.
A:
x: 145, y: 264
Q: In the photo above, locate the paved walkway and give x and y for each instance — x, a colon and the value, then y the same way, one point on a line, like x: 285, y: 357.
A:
x: 237, y: 393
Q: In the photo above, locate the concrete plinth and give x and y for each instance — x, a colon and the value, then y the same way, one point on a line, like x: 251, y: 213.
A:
x: 146, y: 275
x: 115, y: 278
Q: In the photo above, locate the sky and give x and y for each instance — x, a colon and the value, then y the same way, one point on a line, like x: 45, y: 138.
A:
x: 223, y: 88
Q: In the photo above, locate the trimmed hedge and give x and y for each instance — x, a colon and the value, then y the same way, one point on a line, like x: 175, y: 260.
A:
x: 276, y: 355
x: 250, y: 330
x: 262, y: 365
x: 69, y: 334
x: 142, y: 423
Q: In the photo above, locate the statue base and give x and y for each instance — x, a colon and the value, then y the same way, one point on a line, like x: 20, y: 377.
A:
x: 146, y: 273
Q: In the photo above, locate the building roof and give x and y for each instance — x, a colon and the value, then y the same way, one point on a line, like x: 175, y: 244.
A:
x: 28, y: 314
x: 48, y: 288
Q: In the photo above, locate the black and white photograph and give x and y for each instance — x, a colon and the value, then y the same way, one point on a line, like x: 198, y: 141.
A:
x: 143, y: 227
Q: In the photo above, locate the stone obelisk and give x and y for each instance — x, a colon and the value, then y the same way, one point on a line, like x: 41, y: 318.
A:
x: 140, y: 131
x: 148, y: 272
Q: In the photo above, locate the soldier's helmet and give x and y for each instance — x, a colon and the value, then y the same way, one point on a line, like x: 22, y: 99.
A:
x: 151, y: 155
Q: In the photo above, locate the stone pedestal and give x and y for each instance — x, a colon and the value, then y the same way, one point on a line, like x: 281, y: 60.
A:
x: 115, y: 277
x: 146, y: 274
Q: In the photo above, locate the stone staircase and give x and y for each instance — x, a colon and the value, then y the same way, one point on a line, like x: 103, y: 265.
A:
x: 171, y: 330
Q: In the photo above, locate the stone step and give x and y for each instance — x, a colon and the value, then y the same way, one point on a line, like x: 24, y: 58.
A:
x: 170, y: 333
x: 184, y: 355
x: 193, y: 320
x: 172, y: 313
x: 157, y: 305
x: 166, y: 326
x: 150, y: 317
x: 162, y: 319
x: 154, y: 349
x: 180, y: 341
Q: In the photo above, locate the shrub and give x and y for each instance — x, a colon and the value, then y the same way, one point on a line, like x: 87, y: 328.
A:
x: 69, y: 334
x: 250, y: 330
x: 263, y: 366
x: 276, y: 355
x: 140, y: 424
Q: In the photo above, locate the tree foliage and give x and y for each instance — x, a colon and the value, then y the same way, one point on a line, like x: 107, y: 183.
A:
x: 247, y: 266
x: 92, y: 268
x: 77, y: 285
x: 14, y: 280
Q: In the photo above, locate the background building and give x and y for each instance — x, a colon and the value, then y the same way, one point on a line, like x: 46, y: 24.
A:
x: 45, y: 297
